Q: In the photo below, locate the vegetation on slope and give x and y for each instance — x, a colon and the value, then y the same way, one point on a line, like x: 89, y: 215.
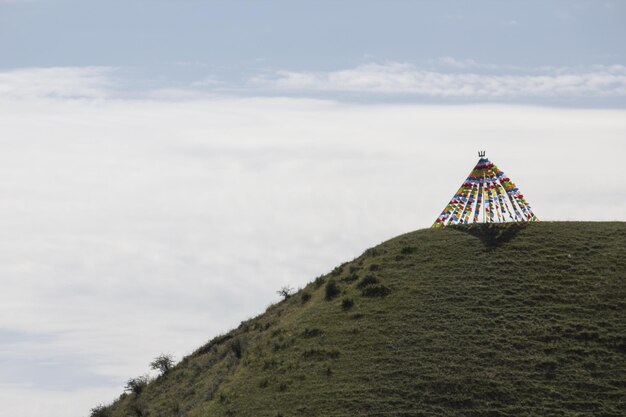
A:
x: 469, y: 321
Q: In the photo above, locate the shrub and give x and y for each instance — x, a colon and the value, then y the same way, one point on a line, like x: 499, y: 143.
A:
x: 162, y: 363
x: 285, y: 292
x: 337, y: 271
x: 308, y: 333
x: 100, y: 411
x: 374, y: 267
x: 368, y: 280
x: 351, y: 278
x: 320, y: 354
x: 375, y: 291
x: 306, y: 296
x: 236, y: 348
x: 407, y: 250
x: 319, y: 281
x: 137, y: 385
x: 138, y: 410
x: 331, y: 290
x: 347, y: 303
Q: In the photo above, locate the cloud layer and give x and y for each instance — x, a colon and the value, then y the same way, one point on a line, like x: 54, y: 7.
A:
x: 133, y: 227
x: 444, y: 79
x: 406, y: 79
x: 60, y: 82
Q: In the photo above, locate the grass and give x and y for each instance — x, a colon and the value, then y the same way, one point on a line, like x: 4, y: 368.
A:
x: 472, y: 321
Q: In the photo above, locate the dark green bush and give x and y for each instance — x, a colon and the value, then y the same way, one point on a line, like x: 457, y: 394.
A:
x: 138, y: 410
x: 285, y: 292
x: 351, y: 278
x: 306, y: 296
x: 308, y: 333
x: 137, y: 385
x: 368, y: 280
x: 347, y: 303
x: 320, y: 354
x: 319, y: 281
x: 375, y: 291
x: 236, y: 348
x: 162, y: 363
x: 331, y: 290
x: 100, y: 411
x: 407, y: 250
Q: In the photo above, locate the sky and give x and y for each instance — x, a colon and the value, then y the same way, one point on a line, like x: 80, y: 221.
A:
x: 167, y: 166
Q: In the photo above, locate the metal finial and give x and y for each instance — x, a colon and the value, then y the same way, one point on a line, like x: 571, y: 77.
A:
x: 481, y: 154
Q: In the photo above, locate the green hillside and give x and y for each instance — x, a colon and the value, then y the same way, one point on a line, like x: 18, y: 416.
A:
x: 468, y: 321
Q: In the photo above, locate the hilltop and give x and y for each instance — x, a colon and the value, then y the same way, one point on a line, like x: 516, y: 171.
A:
x: 517, y: 320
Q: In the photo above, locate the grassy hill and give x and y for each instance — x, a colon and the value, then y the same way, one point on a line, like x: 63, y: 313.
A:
x: 468, y: 321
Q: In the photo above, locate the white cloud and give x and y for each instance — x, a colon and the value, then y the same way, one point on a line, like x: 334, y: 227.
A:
x: 135, y: 227
x: 65, y: 82
x: 406, y: 79
x: 456, y: 63
x: 19, y: 401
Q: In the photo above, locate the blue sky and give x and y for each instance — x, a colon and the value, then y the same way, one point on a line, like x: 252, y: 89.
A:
x: 169, y: 165
x: 322, y: 35
x: 164, y: 44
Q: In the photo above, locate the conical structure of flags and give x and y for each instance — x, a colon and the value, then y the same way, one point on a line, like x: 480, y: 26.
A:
x: 486, y: 196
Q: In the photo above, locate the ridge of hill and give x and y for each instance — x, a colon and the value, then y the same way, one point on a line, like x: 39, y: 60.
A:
x: 484, y: 320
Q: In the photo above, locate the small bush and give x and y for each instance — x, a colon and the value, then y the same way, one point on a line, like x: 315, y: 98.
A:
x: 137, y: 385
x: 320, y: 354
x: 375, y: 291
x: 368, y: 280
x: 351, y: 278
x: 285, y: 292
x: 306, y: 296
x: 308, y: 333
x: 162, y: 363
x: 337, y: 271
x: 407, y: 250
x: 100, y: 411
x: 347, y: 303
x: 138, y: 410
x: 331, y: 290
x: 374, y: 267
x: 319, y: 281
x: 236, y: 348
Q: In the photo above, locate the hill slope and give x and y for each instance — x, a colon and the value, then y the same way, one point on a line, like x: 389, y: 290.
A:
x: 471, y: 321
